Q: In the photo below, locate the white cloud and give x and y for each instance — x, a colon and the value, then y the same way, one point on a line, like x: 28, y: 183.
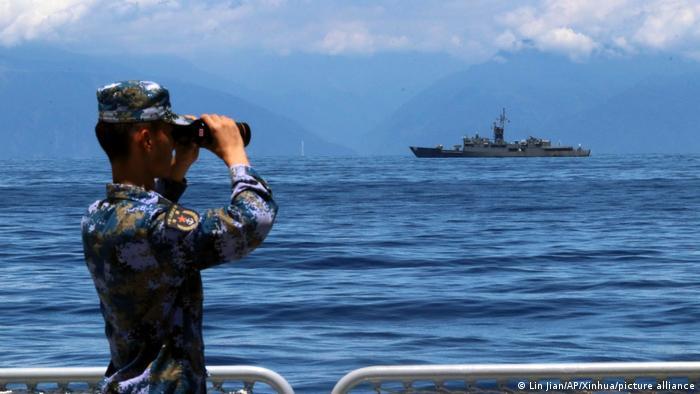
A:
x: 572, y: 27
x: 475, y: 29
x: 581, y: 27
x: 143, y: 3
x: 319, y: 26
x: 356, y: 38
x: 37, y: 19
x: 347, y: 40
x: 669, y: 23
x: 566, y: 40
x: 133, y: 6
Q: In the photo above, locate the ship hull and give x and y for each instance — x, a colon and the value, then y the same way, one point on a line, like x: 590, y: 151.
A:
x: 501, y: 152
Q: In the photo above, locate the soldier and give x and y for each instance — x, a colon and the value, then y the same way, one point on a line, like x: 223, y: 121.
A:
x: 145, y: 251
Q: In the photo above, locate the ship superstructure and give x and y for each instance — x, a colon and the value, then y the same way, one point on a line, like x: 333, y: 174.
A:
x: 498, y: 147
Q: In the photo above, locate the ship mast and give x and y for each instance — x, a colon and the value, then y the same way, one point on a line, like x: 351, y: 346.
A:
x: 499, y: 126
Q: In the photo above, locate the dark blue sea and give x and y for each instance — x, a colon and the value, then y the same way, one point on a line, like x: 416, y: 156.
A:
x: 392, y: 260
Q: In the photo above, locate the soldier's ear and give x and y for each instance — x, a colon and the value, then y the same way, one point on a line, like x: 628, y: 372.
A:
x: 144, y: 138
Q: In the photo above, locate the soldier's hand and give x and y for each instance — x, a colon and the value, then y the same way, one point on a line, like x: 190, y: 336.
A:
x: 185, y: 155
x: 227, y: 142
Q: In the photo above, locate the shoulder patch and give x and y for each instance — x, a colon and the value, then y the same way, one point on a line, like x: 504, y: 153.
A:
x: 181, y: 219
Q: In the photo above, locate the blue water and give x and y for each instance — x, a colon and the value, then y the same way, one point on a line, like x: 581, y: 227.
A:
x: 392, y: 260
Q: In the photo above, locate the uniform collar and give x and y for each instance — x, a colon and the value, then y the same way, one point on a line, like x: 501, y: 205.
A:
x: 123, y: 191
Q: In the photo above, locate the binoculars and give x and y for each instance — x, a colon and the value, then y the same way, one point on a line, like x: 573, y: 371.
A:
x: 199, y: 133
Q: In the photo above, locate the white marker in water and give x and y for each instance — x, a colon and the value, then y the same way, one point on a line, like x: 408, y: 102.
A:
x: 302, y: 148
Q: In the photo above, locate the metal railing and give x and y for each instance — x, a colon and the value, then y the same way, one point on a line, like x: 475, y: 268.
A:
x: 506, y: 377
x: 526, y: 377
x: 249, y: 375
x: 88, y: 378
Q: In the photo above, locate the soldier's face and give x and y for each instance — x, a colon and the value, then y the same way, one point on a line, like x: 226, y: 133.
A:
x: 161, y: 154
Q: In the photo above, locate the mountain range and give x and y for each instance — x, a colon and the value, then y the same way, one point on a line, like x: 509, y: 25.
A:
x: 618, y: 105
x: 49, y: 105
x: 373, y: 104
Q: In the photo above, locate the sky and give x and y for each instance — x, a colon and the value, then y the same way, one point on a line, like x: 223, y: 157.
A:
x: 472, y: 30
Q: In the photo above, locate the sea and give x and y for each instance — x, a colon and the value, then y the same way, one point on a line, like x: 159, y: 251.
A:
x: 389, y: 260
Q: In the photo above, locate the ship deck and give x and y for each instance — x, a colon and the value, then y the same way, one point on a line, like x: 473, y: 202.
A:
x: 500, y: 152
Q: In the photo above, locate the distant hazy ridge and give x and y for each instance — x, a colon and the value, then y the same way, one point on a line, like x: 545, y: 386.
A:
x: 612, y: 106
x: 48, y: 98
x: 366, y: 105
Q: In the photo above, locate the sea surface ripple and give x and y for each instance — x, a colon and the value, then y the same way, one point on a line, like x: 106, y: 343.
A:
x: 390, y: 260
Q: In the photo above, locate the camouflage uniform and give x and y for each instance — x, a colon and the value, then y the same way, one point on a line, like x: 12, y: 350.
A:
x: 144, y: 252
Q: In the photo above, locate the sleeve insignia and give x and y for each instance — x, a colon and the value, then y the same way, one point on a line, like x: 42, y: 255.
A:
x: 181, y: 219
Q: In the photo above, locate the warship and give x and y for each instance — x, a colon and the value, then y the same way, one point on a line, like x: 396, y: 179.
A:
x: 483, y: 147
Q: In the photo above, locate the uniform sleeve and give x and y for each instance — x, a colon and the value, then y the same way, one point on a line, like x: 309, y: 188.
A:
x: 193, y: 241
x: 170, y: 188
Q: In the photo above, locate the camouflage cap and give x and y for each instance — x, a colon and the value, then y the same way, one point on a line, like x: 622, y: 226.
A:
x: 136, y: 101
